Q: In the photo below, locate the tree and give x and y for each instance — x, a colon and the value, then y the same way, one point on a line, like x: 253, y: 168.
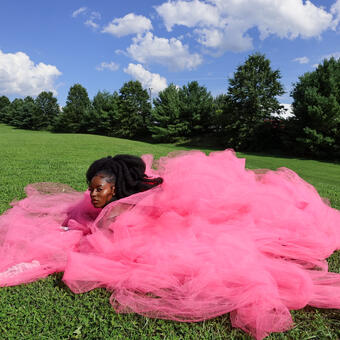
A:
x: 103, y: 118
x: 47, y: 110
x: 134, y: 110
x: 221, y: 108
x: 196, y: 105
x: 252, y: 92
x: 316, y: 108
x: 182, y: 112
x: 167, y: 124
x: 22, y: 113
x: 9, y: 112
x: 4, y: 102
x: 72, y: 117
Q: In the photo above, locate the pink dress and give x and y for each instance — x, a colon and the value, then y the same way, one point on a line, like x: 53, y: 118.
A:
x: 214, y: 238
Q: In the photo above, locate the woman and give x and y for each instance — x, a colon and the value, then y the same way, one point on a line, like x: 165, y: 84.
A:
x: 113, y: 178
x: 214, y: 238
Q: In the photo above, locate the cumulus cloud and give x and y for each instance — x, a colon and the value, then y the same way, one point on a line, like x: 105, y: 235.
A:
x: 130, y: 24
x: 111, y: 66
x: 20, y: 76
x: 169, y: 52
x: 302, y: 60
x: 219, y: 23
x: 229, y: 38
x: 79, y: 11
x: 148, y: 80
x: 91, y: 21
x: 190, y: 14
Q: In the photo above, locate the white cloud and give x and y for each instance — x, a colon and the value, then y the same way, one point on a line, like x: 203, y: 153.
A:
x: 302, y: 60
x: 130, y: 24
x: 148, y: 80
x: 190, y: 14
x: 335, y: 10
x: 287, y: 113
x: 20, y: 76
x: 169, y: 52
x: 231, y: 38
x: 79, y: 11
x: 91, y: 21
x: 335, y: 55
x: 111, y: 66
x: 219, y: 23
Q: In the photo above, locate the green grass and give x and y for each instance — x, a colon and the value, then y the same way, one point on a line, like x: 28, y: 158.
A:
x: 46, y: 309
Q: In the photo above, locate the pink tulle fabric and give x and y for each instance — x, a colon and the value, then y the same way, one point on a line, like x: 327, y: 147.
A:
x: 214, y: 238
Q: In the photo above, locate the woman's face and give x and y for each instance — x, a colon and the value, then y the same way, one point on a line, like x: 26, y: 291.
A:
x: 101, y: 192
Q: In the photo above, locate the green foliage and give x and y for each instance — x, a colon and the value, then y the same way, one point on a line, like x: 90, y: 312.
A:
x: 134, y: 110
x: 196, y: 108
x: 241, y: 119
x: 102, y: 118
x: 9, y: 111
x: 221, y: 107
x: 106, y: 106
x: 4, y: 102
x: 166, y: 123
x: 252, y: 92
x: 21, y: 113
x: 47, y: 110
x: 316, y: 108
x: 31, y: 114
x: 72, y: 117
x: 183, y: 112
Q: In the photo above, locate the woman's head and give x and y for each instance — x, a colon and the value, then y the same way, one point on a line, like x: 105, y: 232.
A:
x: 117, y: 177
x: 102, y: 190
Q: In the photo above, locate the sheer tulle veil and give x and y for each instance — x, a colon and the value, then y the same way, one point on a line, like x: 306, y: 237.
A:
x: 214, y: 238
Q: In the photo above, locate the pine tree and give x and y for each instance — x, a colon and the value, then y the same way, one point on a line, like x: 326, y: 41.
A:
x: 134, y: 110
x: 196, y: 108
x: 22, y: 113
x: 316, y: 108
x: 4, y: 103
x: 103, y: 118
x: 72, y: 117
x: 167, y: 123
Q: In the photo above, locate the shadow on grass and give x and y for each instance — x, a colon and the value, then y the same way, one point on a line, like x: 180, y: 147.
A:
x: 267, y: 153
x: 59, y: 283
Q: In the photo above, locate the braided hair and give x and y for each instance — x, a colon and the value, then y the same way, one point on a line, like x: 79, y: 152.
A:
x: 126, y: 172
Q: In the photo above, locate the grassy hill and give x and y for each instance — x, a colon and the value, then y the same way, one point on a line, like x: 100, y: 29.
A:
x: 48, y: 310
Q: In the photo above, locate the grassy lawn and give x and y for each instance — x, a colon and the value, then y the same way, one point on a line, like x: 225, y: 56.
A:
x: 46, y: 309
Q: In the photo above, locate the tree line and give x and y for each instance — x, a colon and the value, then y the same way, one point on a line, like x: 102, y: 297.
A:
x: 247, y: 117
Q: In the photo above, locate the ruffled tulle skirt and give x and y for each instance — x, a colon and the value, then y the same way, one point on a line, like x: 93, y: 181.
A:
x: 214, y: 238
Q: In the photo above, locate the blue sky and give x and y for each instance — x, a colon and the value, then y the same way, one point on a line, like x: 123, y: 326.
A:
x: 47, y: 45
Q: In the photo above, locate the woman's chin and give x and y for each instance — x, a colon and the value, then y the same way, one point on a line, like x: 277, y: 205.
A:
x: 96, y: 204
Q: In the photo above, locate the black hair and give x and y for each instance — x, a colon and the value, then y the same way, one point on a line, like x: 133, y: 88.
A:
x: 126, y: 172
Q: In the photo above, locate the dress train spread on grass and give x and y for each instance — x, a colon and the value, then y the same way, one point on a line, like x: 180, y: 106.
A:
x: 214, y: 238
